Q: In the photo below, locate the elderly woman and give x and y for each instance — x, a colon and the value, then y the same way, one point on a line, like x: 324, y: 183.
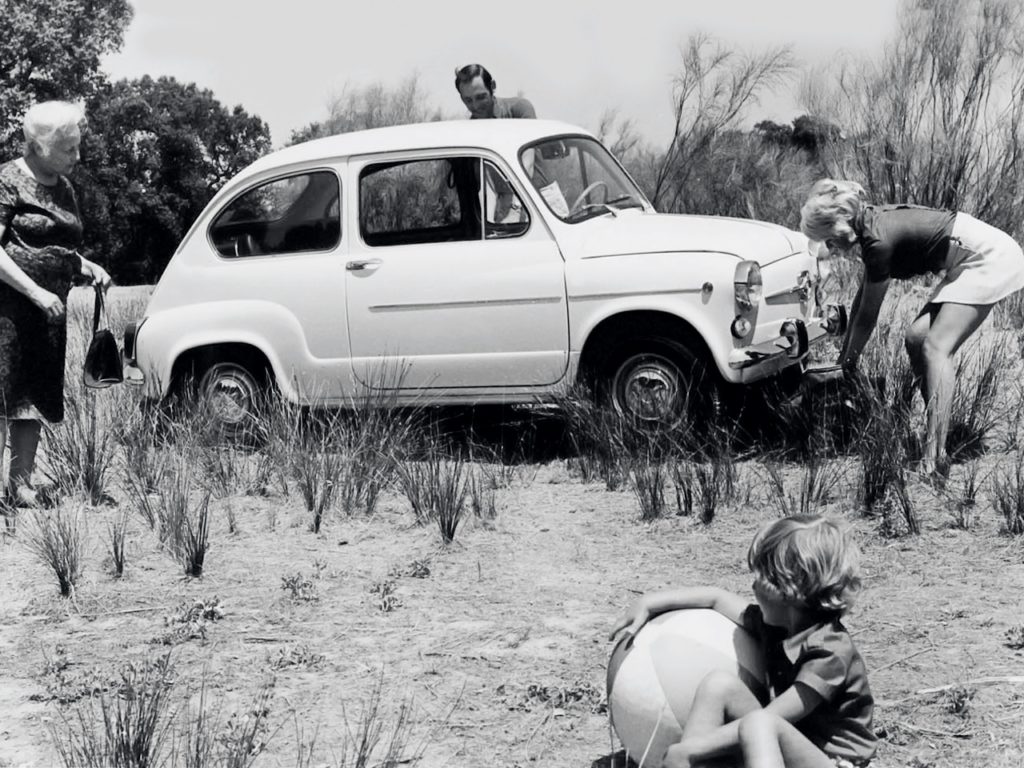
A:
x: 982, y: 266
x: 39, y: 231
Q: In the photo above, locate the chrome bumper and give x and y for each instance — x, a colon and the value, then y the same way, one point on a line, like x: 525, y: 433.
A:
x: 795, y: 339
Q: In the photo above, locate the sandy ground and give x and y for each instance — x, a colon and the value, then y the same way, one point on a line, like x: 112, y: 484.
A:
x: 502, y: 645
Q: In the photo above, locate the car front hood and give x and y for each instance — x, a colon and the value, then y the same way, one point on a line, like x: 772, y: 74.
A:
x: 633, y: 232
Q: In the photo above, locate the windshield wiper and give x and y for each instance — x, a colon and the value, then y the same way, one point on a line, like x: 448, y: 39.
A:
x: 629, y: 200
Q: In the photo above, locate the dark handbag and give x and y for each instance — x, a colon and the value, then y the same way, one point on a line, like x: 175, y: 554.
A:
x: 103, y: 360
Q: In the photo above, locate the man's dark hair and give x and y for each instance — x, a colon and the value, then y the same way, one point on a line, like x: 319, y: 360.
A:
x: 468, y: 72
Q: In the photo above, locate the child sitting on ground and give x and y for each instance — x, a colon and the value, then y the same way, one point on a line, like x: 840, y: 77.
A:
x: 805, y: 575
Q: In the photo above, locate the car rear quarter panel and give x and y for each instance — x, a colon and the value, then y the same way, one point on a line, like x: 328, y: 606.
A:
x: 266, y: 326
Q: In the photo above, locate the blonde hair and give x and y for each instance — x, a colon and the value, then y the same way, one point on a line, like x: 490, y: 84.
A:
x: 809, y: 560
x: 49, y: 119
x: 830, y: 207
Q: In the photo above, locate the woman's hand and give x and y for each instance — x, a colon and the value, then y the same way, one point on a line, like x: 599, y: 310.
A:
x: 635, y: 617
x: 50, y: 303
x: 96, y: 273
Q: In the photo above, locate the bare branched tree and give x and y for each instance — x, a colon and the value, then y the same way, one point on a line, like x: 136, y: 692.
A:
x: 939, y: 119
x: 710, y: 95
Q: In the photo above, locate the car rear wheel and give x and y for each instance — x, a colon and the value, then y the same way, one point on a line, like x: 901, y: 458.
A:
x: 659, y: 383
x: 231, y: 394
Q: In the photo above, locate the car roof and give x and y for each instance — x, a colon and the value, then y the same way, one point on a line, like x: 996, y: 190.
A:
x: 502, y: 136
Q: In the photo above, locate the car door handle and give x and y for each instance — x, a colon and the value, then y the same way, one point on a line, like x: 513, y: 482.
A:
x: 360, y: 264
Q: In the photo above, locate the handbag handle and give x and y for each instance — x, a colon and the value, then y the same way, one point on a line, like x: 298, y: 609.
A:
x: 97, y: 307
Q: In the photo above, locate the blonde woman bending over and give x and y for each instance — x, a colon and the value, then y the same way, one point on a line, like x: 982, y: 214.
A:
x: 982, y: 264
x: 40, y: 231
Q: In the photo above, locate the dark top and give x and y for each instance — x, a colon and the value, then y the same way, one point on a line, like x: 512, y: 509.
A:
x: 515, y: 106
x: 42, y: 229
x: 824, y: 658
x: 902, y: 241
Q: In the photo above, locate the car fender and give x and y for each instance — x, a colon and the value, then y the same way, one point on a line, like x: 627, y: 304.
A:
x: 602, y: 288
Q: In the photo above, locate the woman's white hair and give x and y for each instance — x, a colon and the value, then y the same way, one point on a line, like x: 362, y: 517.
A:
x: 831, y: 206
x: 49, y: 119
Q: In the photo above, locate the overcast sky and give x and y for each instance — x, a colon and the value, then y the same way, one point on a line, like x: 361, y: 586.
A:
x: 573, y: 59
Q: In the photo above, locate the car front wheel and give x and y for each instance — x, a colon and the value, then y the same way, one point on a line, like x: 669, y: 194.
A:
x: 660, y: 383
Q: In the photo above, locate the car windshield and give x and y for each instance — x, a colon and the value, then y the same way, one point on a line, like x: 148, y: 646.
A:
x: 578, y: 178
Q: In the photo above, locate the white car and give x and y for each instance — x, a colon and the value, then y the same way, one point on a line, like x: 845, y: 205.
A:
x: 470, y: 262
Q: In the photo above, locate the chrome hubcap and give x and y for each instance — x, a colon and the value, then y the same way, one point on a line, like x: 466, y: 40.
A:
x: 649, y: 391
x: 229, y: 399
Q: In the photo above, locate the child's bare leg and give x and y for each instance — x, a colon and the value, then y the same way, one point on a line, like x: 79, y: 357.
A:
x: 768, y: 741
x: 721, y: 698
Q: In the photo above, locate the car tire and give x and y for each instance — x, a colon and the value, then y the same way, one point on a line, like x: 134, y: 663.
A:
x: 658, y: 383
x: 231, y: 395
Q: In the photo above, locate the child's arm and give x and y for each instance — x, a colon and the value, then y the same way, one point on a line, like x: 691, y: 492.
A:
x: 792, y: 705
x: 650, y: 605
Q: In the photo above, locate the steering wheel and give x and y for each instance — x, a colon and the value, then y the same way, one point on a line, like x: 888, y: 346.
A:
x: 583, y: 195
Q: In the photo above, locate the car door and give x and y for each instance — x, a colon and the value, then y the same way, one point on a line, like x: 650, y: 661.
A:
x: 281, y: 243
x: 453, y: 282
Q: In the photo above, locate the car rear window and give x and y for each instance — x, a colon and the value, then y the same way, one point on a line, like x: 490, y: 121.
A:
x: 293, y: 214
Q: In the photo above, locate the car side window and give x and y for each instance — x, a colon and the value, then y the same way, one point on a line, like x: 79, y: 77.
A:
x: 291, y: 215
x: 433, y: 200
x: 505, y: 215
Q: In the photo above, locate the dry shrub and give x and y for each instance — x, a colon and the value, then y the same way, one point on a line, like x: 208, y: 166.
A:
x: 57, y: 538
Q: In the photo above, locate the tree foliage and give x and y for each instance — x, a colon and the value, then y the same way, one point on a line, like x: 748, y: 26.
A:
x: 51, y: 49
x: 154, y: 154
x: 371, y: 106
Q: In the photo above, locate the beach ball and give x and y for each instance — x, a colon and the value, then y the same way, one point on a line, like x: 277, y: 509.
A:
x: 653, y: 676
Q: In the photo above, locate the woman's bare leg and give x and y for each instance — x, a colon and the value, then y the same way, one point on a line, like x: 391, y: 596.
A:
x: 950, y: 326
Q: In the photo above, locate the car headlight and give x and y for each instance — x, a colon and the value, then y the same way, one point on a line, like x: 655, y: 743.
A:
x: 748, y: 285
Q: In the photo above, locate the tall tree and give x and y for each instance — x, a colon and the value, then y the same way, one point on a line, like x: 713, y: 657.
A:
x: 155, y: 153
x: 51, y: 49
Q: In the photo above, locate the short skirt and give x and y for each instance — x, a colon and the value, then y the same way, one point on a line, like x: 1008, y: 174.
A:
x: 983, y: 265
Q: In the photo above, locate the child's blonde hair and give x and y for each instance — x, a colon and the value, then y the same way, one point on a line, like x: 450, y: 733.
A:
x: 830, y: 207
x: 810, y: 560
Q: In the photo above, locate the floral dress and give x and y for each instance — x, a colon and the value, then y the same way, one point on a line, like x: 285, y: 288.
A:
x: 42, y: 230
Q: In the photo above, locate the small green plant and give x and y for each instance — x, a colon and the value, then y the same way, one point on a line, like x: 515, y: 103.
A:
x: 57, y: 538
x: 81, y: 449
x: 817, y: 479
x: 483, y: 499
x: 189, y: 621
x: 295, y: 657
x: 896, y: 513
x: 436, y: 488
x: 230, y: 470
x: 387, y: 599
x: 683, y: 481
x: 300, y: 588
x: 973, y: 411
x: 65, y: 683
x: 710, y: 480
x: 1008, y: 496
x: 125, y: 726
x: 647, y: 479
x: 417, y: 569
x: 247, y: 733
x: 1015, y: 637
x: 117, y: 531
x: 964, y: 497
x: 957, y: 701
